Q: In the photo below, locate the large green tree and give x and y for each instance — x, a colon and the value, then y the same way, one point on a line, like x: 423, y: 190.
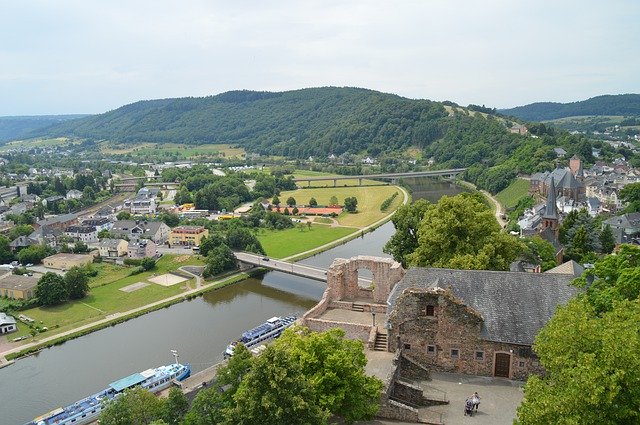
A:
x: 406, y: 221
x: 77, y: 283
x: 175, y: 407
x: 5, y: 250
x: 630, y: 194
x: 136, y: 406
x: 462, y: 232
x: 219, y: 259
x: 334, y: 366
x: 34, y: 254
x: 51, y: 289
x: 275, y: 392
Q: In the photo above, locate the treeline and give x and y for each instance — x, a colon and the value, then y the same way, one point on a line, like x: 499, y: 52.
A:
x: 622, y: 104
x: 15, y: 128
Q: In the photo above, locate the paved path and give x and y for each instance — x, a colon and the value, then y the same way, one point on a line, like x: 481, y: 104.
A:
x: 499, y: 211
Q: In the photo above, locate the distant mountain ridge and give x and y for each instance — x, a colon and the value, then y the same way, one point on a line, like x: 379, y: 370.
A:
x: 621, y: 104
x: 18, y: 127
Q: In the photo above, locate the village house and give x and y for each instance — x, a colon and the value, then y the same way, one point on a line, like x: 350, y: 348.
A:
x: 61, y: 221
x: 21, y: 242
x: 111, y: 248
x: 157, y: 231
x: 100, y: 223
x: 16, y: 286
x: 74, y: 194
x: 141, y: 206
x: 142, y: 248
x: 625, y: 228
x: 82, y: 233
x: 7, y: 324
x: 187, y: 235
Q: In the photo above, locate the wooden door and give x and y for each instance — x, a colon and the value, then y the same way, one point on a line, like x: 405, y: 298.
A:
x: 503, y: 365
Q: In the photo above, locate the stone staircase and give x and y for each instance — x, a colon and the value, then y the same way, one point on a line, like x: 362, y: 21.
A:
x: 357, y: 307
x: 380, y: 343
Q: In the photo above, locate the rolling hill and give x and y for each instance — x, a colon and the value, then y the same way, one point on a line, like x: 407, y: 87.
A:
x: 622, y: 104
x: 13, y: 128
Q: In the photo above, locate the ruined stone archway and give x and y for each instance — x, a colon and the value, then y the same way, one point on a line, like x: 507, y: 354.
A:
x: 342, y: 278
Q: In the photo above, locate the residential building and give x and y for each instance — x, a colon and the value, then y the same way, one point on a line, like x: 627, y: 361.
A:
x: 21, y: 242
x: 82, y: 233
x: 16, y: 286
x: 47, y: 236
x: 625, y: 228
x: 64, y: 261
x: 141, y: 206
x: 74, y: 194
x: 100, y: 223
x: 111, y: 247
x: 565, y: 184
x: 142, y: 248
x: 187, y: 235
x: 52, y: 200
x: 7, y: 324
x: 157, y: 231
x: 61, y: 221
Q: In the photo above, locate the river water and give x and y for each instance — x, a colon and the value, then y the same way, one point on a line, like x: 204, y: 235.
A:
x: 199, y: 329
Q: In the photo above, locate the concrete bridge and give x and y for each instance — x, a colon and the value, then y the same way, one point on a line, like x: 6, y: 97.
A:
x: 393, y: 176
x: 310, y: 272
x: 132, y: 185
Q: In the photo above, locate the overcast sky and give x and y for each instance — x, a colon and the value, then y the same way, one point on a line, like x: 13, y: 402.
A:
x: 83, y: 56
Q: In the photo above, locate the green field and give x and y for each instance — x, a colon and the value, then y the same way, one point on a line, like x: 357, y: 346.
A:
x: 105, y: 297
x: 369, y: 201
x: 510, y: 196
x: 283, y: 243
x: 35, y: 143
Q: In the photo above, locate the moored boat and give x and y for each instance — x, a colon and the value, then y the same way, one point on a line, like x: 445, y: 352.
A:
x: 88, y: 409
x: 270, y: 329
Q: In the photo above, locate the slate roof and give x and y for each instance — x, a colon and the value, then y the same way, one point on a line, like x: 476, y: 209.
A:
x: 514, y: 305
x: 6, y: 320
x: 551, y: 209
x: 570, y: 267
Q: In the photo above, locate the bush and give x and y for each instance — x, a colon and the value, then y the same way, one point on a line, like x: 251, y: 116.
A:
x: 132, y: 262
x: 136, y: 270
x: 387, y: 202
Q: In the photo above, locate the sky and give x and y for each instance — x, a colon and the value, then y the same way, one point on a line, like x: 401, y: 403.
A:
x: 88, y: 56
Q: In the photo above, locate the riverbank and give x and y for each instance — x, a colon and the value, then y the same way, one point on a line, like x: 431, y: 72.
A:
x: 113, y: 319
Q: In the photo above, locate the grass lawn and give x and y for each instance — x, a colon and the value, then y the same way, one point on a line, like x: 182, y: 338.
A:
x: 510, y: 196
x: 35, y: 143
x: 105, y: 297
x: 369, y: 201
x: 283, y: 243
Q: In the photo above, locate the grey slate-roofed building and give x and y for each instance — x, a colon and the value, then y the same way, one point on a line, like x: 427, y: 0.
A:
x: 474, y: 321
x: 625, y: 228
x: 157, y: 231
x: 564, y: 182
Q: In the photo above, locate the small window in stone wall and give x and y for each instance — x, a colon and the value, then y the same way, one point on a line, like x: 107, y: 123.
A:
x: 479, y: 355
x: 521, y: 364
x: 407, y: 346
x: 427, y: 309
x: 455, y: 353
x: 431, y: 350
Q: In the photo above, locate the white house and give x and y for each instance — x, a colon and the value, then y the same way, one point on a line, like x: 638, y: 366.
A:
x: 7, y: 324
x: 74, y: 194
x: 85, y: 234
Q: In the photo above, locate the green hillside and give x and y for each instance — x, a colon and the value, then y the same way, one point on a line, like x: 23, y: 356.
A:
x: 622, y: 104
x: 13, y: 128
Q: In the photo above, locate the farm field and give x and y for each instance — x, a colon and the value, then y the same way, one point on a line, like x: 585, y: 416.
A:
x: 162, y: 150
x: 283, y: 243
x: 35, y: 143
x: 510, y: 195
x: 369, y: 201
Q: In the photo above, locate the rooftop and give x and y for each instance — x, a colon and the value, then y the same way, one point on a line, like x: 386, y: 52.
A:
x: 18, y: 282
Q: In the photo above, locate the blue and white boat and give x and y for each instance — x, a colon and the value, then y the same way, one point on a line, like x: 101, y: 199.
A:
x: 88, y: 409
x: 270, y: 329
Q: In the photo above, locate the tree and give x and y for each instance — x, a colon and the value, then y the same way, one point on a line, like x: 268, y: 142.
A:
x: 241, y: 239
x: 170, y: 219
x: 80, y: 247
x: 219, y: 259
x: 462, y: 232
x: 175, y: 407
x: 51, y: 289
x: 183, y: 196
x: 276, y: 201
x: 607, y: 240
x: 209, y: 242
x: 135, y: 406
x: 5, y: 250
x: 34, y: 254
x: 351, y: 204
x: 406, y: 221
x: 147, y: 263
x: 123, y: 215
x: 336, y: 368
x: 295, y: 211
x: 275, y: 392
x: 77, y: 283
x: 291, y: 201
x: 104, y: 234
x: 20, y: 230
x: 333, y: 200
x: 540, y: 252
x: 313, y: 202
x: 630, y: 194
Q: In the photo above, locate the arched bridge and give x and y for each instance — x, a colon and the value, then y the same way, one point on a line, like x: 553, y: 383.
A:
x: 393, y: 176
x: 303, y: 270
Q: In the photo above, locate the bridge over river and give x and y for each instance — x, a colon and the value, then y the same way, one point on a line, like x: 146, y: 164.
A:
x: 394, y: 177
x: 311, y: 272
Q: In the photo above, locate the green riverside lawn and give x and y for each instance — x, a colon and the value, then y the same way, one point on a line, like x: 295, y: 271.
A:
x: 106, y: 298
x: 510, y: 195
x: 283, y: 243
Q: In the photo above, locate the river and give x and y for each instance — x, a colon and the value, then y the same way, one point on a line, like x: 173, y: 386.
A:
x: 199, y: 329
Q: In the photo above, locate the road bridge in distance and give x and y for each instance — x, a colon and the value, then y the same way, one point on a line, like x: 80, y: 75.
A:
x: 394, y: 177
x: 310, y: 272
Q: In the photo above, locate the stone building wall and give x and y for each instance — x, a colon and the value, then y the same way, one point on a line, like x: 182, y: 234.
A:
x: 453, y: 326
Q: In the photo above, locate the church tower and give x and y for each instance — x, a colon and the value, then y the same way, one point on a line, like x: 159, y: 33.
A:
x: 550, y: 218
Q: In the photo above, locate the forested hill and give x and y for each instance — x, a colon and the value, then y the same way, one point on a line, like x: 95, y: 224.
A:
x: 622, y: 104
x: 300, y: 123
x: 14, y: 128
